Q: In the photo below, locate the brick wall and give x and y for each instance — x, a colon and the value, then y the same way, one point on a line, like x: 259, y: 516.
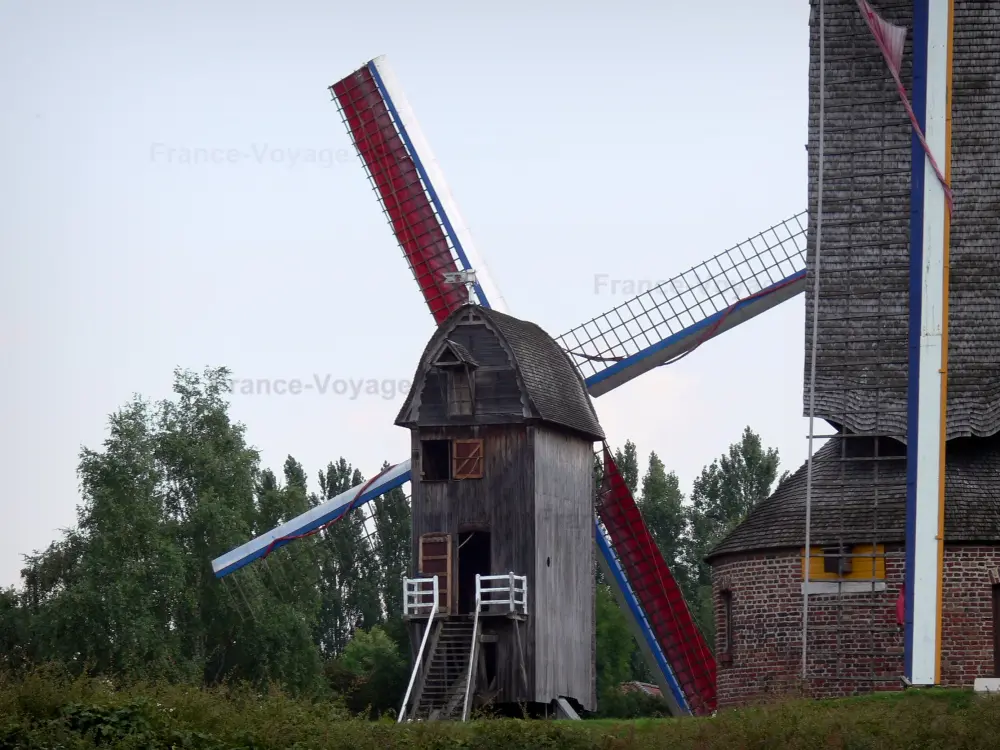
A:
x: 970, y: 572
x: 855, y: 645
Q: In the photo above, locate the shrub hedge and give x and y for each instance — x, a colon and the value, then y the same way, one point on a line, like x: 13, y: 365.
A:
x: 45, y: 710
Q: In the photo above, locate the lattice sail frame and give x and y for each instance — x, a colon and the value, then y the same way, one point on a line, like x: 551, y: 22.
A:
x: 695, y: 303
x: 411, y: 188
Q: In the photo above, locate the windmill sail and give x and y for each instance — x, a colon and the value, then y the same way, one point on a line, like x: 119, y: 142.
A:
x: 312, y: 520
x: 677, y: 316
x: 692, y: 665
x: 411, y: 188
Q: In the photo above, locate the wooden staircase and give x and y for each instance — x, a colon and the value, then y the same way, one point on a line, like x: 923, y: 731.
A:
x: 441, y: 694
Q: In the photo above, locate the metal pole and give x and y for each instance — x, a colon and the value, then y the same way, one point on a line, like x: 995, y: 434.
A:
x: 815, y: 333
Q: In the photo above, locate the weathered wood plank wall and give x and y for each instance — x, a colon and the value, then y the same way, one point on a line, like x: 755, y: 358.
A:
x: 564, y: 581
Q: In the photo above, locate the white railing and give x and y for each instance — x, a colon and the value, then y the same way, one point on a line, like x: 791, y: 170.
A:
x: 510, y: 593
x: 420, y: 595
x: 433, y: 609
x: 472, y: 649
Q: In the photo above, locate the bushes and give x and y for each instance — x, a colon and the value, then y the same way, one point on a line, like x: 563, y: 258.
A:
x: 370, y: 674
x: 49, y: 711
x: 615, y: 703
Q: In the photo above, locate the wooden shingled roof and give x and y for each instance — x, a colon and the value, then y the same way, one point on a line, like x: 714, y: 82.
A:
x: 864, y: 289
x: 553, y: 386
x: 866, y: 510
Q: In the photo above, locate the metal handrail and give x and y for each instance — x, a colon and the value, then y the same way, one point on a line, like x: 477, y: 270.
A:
x: 472, y: 651
x: 420, y: 654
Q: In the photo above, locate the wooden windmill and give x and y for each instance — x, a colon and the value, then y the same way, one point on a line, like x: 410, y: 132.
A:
x: 504, y: 502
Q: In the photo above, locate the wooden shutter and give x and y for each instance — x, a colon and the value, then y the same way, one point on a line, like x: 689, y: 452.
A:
x: 435, y: 560
x: 467, y: 459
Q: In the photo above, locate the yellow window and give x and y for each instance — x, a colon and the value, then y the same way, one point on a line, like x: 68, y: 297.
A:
x: 859, y: 562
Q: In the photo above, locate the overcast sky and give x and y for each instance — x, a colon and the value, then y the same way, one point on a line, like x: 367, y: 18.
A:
x: 632, y: 139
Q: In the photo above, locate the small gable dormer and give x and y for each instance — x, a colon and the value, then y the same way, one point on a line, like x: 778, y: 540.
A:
x: 457, y: 369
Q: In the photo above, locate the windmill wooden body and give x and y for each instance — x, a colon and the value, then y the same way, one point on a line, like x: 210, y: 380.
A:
x: 502, y: 432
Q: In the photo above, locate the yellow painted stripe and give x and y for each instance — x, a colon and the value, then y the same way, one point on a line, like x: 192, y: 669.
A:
x: 944, y: 344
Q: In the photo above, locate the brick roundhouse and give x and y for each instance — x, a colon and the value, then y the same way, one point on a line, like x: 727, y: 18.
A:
x: 855, y: 641
x: 757, y: 578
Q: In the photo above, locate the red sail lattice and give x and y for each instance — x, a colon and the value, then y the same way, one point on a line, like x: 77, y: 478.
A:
x: 404, y: 198
x: 682, y: 643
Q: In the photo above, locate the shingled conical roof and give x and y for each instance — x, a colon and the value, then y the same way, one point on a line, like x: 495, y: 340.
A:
x: 851, y: 505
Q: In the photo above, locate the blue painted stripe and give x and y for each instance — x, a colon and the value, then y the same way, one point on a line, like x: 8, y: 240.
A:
x: 366, y: 497
x: 691, y: 330
x: 445, y: 219
x: 620, y: 581
x: 921, y: 12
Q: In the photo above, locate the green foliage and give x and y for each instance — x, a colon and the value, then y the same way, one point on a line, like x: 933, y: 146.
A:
x: 370, y: 674
x: 633, y: 704
x: 662, y: 509
x: 44, y: 711
x: 129, y: 593
x: 721, y: 498
x: 627, y: 460
x: 349, y: 569
x: 391, y: 519
x: 614, y: 643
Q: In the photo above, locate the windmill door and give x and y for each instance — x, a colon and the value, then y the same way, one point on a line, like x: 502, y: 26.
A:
x: 435, y: 560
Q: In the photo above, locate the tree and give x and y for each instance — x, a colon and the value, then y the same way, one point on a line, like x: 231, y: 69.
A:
x: 662, y: 510
x: 392, y: 521
x: 721, y: 497
x: 210, y: 482
x: 627, y: 460
x: 130, y: 591
x: 15, y: 643
x: 370, y: 673
x: 103, y: 597
x: 614, y: 642
x: 349, y: 572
